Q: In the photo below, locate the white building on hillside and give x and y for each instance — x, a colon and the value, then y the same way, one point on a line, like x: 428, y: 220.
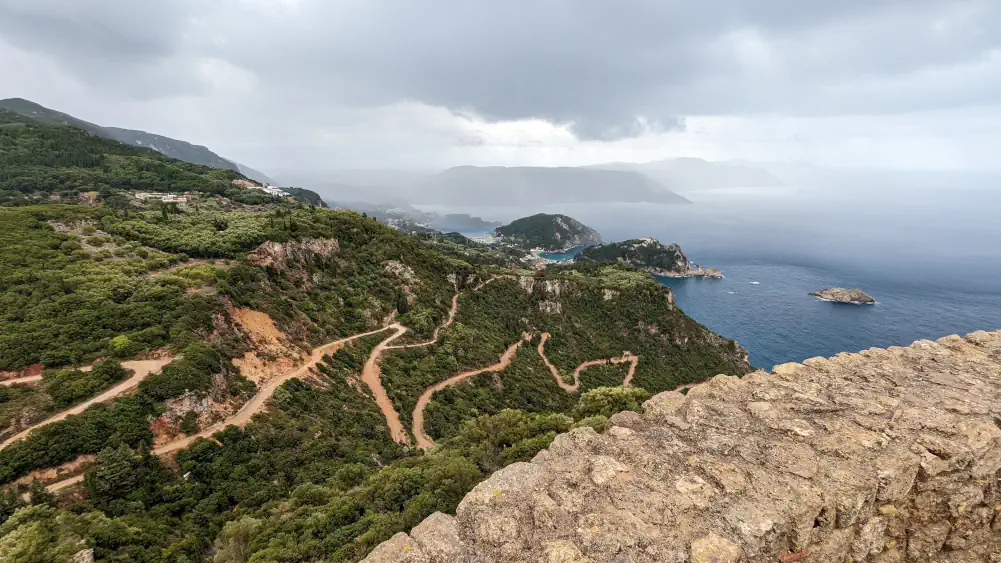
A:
x: 167, y: 198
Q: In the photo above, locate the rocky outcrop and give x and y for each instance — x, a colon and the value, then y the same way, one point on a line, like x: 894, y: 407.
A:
x: 279, y: 255
x: 883, y: 456
x: 842, y: 295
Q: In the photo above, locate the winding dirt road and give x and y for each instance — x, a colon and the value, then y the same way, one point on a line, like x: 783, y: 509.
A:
x: 20, y: 380
x: 491, y: 280
x: 371, y: 376
x: 141, y: 369
x: 434, y: 337
x: 423, y: 440
x: 629, y: 357
x: 259, y: 401
x: 253, y: 406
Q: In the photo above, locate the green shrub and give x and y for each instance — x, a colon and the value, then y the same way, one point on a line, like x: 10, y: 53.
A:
x: 606, y: 401
x: 68, y: 387
x: 121, y: 346
x: 189, y: 423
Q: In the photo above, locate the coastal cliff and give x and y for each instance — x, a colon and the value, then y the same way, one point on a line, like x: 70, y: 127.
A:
x: 884, y: 455
x: 665, y: 260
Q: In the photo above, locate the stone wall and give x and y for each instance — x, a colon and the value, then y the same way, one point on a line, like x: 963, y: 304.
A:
x: 885, y: 456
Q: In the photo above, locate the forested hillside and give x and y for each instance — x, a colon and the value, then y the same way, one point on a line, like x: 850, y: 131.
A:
x: 37, y: 160
x: 174, y: 148
x: 548, y: 232
x: 642, y: 253
x: 251, y: 358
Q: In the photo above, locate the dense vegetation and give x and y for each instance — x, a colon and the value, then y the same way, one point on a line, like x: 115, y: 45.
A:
x: 123, y: 421
x: 315, y: 476
x: 55, y: 158
x: 37, y: 160
x: 548, y: 232
x: 63, y: 299
x: 301, y: 483
x: 308, y: 196
x: 642, y: 253
x: 590, y: 324
x: 69, y: 386
x: 174, y: 148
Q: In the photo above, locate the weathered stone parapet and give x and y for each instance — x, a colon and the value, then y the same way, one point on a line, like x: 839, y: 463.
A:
x: 884, y: 456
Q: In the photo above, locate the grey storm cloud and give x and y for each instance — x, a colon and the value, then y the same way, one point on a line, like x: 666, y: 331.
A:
x: 609, y: 70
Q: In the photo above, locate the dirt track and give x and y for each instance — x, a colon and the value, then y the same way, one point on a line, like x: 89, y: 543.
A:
x: 65, y: 483
x: 434, y: 337
x: 425, y: 441
x: 626, y: 357
x: 141, y: 370
x: 259, y: 401
x: 371, y: 376
x: 20, y: 380
x: 491, y: 280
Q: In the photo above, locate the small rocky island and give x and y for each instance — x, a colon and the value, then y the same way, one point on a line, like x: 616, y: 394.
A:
x: 648, y: 254
x: 841, y: 295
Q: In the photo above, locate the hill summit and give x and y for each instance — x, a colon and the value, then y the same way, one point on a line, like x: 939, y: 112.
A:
x: 174, y: 148
x: 548, y: 232
x: 650, y: 255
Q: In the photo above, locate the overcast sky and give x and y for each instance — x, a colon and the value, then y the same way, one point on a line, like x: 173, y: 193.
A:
x: 317, y: 84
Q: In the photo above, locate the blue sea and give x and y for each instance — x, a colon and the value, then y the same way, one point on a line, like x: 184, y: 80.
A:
x: 930, y: 257
x: 566, y: 256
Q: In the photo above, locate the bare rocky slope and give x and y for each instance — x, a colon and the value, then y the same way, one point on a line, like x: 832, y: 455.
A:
x: 885, y: 455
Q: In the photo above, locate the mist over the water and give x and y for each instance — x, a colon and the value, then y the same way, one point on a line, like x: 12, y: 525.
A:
x: 931, y: 257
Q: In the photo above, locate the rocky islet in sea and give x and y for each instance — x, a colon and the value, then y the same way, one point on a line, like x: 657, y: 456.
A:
x: 853, y: 296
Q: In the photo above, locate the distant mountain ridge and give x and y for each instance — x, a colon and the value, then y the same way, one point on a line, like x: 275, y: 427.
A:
x: 174, y: 148
x: 500, y: 185
x: 693, y: 174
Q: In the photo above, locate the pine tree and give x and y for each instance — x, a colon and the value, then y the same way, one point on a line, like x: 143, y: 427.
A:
x: 114, y: 475
x: 38, y: 494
